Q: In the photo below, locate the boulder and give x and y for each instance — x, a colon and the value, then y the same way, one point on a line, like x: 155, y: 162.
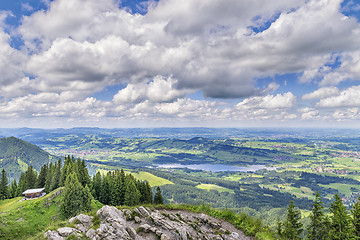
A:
x: 110, y: 213
x: 81, y: 218
x: 67, y: 231
x: 143, y: 212
x: 131, y: 232
x: 91, y: 234
x: 53, y: 235
x: 145, y: 228
x: 137, y: 219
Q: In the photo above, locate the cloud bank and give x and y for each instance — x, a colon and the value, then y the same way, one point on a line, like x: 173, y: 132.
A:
x: 72, y: 51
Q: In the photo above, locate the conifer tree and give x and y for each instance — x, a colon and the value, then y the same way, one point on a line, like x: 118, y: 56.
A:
x: 317, y: 230
x: 355, y: 212
x: 41, y: 180
x: 279, y: 225
x: 158, y: 198
x: 21, y: 187
x: 75, y: 197
x: 117, y: 189
x: 145, y: 191
x: 292, y: 225
x: 96, y: 186
x: 3, y: 186
x: 132, y: 194
x: 13, y: 189
x: 87, y: 198
x: 66, y: 170
x: 340, y: 220
x: 105, y: 190
x: 30, y: 178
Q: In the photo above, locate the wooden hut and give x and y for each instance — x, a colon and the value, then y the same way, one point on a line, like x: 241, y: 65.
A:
x: 34, y: 193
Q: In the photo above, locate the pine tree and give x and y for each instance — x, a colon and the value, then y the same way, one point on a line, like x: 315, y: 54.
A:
x: 279, y: 225
x: 87, y: 198
x: 75, y: 197
x: 146, y: 193
x: 41, y: 180
x: 355, y: 212
x: 132, y: 194
x: 13, y: 189
x: 292, y: 225
x: 340, y: 220
x: 30, y: 178
x: 158, y: 198
x: 4, y: 192
x: 82, y: 172
x: 105, y: 196
x: 117, y: 189
x: 96, y: 186
x: 66, y: 170
x: 21, y: 187
x: 317, y: 230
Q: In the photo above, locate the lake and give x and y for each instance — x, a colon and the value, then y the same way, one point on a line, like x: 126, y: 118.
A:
x: 216, y: 167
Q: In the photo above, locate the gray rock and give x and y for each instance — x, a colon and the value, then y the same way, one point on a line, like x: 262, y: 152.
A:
x: 91, y: 233
x: 82, y: 218
x: 127, y: 211
x: 131, y: 232
x: 182, y: 233
x: 137, y: 219
x: 164, y: 237
x: 143, y: 212
x: 20, y: 219
x: 53, y: 235
x: 110, y: 213
x: 145, y: 228
x: 137, y: 211
x: 67, y: 231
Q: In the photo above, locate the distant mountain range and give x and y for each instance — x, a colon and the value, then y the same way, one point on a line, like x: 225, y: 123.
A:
x: 16, y: 155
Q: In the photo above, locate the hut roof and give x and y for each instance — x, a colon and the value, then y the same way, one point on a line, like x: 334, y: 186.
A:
x: 36, y: 190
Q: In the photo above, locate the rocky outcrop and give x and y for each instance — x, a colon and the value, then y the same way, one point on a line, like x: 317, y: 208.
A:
x: 145, y: 224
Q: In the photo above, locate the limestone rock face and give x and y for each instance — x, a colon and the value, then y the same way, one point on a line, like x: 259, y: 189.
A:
x: 53, y: 235
x: 147, y: 225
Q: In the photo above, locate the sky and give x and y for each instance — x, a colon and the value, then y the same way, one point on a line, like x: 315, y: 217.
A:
x: 179, y: 63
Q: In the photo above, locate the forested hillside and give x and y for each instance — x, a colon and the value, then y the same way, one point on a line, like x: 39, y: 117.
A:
x: 16, y: 155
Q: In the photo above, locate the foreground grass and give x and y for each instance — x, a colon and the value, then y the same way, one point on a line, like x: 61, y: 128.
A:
x: 23, y: 219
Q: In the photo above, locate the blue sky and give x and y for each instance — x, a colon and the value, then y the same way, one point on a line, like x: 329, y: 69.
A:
x: 110, y: 63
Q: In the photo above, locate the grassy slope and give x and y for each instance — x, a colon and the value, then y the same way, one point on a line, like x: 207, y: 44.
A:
x: 214, y: 187
x: 23, y: 219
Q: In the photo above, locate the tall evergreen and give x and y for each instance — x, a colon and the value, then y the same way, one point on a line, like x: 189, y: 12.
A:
x: 4, y: 192
x: 68, y: 168
x: 41, y: 180
x: 317, y: 230
x: 158, y: 198
x: 96, y: 186
x: 132, y: 194
x: 21, y: 187
x: 145, y: 191
x: 82, y: 172
x: 105, y: 197
x: 13, y: 189
x: 355, y: 212
x: 292, y: 225
x: 340, y: 221
x: 75, y: 197
x: 30, y: 178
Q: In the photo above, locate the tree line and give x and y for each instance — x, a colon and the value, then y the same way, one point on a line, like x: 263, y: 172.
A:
x: 115, y: 188
x: 340, y: 224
